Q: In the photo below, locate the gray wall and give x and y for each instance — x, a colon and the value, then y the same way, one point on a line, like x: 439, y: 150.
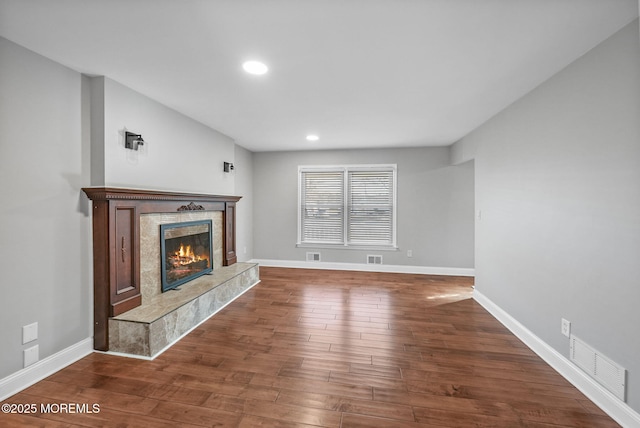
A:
x: 243, y: 173
x: 44, y: 229
x: 62, y: 131
x: 179, y: 153
x: 558, y: 187
x: 435, y: 206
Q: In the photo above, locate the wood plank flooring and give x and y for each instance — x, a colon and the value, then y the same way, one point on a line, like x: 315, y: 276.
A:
x: 316, y: 348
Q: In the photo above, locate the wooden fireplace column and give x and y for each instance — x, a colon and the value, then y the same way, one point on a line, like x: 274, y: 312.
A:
x: 116, y: 244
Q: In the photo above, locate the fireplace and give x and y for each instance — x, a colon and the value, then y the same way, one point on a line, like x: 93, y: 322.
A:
x: 131, y: 313
x: 186, y: 252
x: 121, y: 281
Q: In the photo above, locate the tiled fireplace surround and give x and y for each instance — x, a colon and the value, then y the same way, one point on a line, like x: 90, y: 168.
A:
x: 160, y: 319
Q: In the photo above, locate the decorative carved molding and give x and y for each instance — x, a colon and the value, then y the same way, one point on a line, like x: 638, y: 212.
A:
x: 191, y: 207
x: 115, y: 193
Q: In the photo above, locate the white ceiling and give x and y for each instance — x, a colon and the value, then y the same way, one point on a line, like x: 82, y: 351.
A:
x: 359, y: 73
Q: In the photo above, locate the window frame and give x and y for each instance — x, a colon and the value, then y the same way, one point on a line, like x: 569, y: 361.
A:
x: 345, y: 170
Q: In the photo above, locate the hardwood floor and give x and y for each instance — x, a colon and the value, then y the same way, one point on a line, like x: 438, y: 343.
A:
x: 330, y: 349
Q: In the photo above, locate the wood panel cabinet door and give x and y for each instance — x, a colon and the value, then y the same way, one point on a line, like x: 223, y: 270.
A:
x: 125, y: 280
x: 230, y: 234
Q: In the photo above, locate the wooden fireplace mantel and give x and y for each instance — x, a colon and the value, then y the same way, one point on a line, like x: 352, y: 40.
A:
x: 116, y: 244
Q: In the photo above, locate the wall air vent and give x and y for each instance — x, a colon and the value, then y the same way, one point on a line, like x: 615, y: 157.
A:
x: 374, y: 259
x: 313, y: 257
x: 606, y: 372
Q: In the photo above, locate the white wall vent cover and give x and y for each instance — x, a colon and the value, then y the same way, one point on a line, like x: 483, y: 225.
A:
x: 313, y: 257
x: 606, y: 372
x: 374, y: 259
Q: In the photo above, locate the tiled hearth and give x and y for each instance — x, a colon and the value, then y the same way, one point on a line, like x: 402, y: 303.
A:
x: 164, y: 318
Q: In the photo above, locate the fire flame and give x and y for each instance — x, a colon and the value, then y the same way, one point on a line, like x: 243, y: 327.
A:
x: 186, y: 255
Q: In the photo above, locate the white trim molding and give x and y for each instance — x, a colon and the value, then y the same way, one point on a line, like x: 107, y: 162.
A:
x: 427, y: 270
x: 609, y: 403
x: 26, y: 377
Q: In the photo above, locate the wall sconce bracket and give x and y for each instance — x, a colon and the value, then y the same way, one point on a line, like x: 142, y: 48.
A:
x: 132, y: 141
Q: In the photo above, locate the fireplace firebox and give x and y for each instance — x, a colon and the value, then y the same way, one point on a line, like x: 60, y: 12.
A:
x: 186, y: 252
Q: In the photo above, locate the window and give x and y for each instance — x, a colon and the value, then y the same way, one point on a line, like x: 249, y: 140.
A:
x: 350, y: 206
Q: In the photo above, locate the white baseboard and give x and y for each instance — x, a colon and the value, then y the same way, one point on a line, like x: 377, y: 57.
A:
x: 26, y: 377
x: 427, y: 270
x: 610, y: 404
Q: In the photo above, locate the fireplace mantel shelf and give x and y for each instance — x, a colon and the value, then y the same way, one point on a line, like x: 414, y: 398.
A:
x: 117, y: 193
x: 116, y: 243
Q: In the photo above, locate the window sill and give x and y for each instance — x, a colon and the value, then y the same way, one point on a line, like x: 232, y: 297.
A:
x: 348, y: 247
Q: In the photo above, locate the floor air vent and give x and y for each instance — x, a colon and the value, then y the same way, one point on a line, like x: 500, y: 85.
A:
x: 374, y: 260
x: 313, y: 257
x: 606, y: 372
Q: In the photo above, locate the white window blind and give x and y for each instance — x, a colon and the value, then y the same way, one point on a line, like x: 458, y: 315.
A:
x: 322, y: 207
x: 348, y: 205
x: 370, y: 207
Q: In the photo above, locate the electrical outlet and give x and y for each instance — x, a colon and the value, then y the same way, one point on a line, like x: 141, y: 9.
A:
x: 409, y: 253
x: 566, y: 327
x: 29, y: 333
x: 31, y: 355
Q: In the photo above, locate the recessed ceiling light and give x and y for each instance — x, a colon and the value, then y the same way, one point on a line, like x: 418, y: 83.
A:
x: 255, y: 67
x: 312, y: 137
